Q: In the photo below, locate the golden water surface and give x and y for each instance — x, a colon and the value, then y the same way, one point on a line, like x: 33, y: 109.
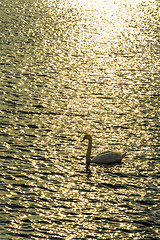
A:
x: 69, y: 68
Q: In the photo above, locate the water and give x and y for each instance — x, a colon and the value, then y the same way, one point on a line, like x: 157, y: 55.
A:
x: 69, y: 68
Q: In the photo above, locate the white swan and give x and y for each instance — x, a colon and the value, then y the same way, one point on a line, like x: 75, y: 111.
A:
x: 104, y: 157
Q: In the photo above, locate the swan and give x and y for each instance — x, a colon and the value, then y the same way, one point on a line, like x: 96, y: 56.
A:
x: 104, y: 157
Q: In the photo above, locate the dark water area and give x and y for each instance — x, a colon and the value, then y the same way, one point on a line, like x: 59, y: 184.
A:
x: 70, y: 68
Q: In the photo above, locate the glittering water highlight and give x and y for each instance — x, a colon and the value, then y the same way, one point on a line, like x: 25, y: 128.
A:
x: 69, y: 68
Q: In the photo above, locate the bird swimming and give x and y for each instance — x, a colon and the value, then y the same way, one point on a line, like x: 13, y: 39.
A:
x: 104, y: 157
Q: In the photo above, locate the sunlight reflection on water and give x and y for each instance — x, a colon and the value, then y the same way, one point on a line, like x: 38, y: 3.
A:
x: 71, y: 67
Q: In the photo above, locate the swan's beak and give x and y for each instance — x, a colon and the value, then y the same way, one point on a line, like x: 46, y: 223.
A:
x: 83, y: 140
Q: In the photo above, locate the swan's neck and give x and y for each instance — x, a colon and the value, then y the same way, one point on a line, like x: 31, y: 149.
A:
x: 88, y: 155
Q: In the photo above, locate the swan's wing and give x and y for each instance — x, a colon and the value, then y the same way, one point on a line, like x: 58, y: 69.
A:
x: 106, y: 152
x: 107, y: 157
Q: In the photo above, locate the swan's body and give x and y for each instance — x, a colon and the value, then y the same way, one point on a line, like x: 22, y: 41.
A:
x: 104, y: 157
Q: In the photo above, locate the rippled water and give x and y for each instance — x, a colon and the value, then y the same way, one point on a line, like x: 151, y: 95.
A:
x: 67, y: 68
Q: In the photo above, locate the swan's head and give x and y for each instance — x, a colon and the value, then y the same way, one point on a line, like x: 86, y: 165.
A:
x: 86, y: 136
